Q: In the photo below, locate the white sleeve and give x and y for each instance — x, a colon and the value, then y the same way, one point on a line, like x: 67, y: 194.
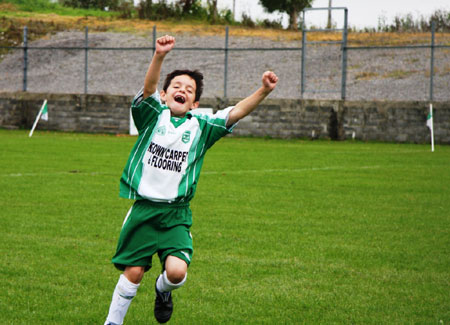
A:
x: 139, y: 97
x: 225, y: 113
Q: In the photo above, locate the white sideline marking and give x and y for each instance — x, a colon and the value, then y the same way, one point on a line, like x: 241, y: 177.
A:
x: 249, y: 171
x: 284, y: 170
x: 52, y: 173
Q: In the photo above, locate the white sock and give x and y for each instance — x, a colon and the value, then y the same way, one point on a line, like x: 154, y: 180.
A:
x: 164, y: 285
x: 123, y: 294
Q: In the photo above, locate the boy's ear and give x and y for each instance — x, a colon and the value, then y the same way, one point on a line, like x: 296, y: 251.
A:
x: 195, y: 104
x: 162, y: 95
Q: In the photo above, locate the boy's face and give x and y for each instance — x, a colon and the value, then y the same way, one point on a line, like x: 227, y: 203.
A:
x: 180, y: 95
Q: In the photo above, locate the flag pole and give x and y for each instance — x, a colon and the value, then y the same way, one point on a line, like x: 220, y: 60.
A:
x: 37, y: 118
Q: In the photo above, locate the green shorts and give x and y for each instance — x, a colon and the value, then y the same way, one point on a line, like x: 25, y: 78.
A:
x: 151, y: 228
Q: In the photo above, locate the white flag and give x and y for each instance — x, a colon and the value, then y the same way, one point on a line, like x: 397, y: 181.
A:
x: 43, y: 113
x: 430, y: 126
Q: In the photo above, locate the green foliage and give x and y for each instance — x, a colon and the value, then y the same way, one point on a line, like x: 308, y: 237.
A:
x: 441, y: 19
x: 154, y: 11
x: 158, y: 11
x: 285, y: 5
x: 145, y: 9
x: 409, y: 23
x: 285, y: 232
x: 47, y: 6
x: 33, y: 5
x: 93, y: 4
x: 247, y: 21
x: 124, y: 8
x: 226, y: 16
x: 212, y: 10
x: 192, y: 10
x: 267, y: 23
x: 291, y: 7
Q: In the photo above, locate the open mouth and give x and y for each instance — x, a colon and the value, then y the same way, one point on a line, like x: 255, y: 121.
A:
x: 180, y: 99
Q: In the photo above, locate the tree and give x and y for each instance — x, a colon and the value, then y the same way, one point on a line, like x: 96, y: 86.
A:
x: 329, y: 23
x: 291, y: 7
x: 186, y: 5
x: 212, y: 8
x: 144, y: 9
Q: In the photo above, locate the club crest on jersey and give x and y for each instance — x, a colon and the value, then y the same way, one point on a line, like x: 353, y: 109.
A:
x: 161, y: 130
x: 186, y: 137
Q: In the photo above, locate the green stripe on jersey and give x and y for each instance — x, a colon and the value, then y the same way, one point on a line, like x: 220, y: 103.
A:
x: 187, y: 181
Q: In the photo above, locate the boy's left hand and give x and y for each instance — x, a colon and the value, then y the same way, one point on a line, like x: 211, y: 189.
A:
x: 269, y: 80
x: 165, y: 44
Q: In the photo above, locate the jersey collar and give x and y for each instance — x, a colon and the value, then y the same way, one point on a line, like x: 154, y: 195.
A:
x: 177, y: 121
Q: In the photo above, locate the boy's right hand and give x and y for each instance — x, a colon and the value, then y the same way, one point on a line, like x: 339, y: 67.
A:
x: 165, y: 44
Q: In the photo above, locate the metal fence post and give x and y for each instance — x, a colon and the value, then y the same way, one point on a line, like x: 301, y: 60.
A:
x: 433, y: 27
x: 225, y: 74
x: 302, y: 75
x: 154, y: 39
x: 344, y: 55
x: 25, y: 57
x: 86, y: 48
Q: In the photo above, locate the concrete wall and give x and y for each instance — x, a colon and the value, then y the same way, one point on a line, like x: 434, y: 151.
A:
x: 79, y: 113
x: 381, y: 121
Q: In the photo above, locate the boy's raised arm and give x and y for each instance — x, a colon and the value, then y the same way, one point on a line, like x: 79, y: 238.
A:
x: 247, y: 105
x: 164, y: 45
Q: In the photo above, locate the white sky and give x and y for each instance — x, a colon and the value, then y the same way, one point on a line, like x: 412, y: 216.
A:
x: 361, y: 13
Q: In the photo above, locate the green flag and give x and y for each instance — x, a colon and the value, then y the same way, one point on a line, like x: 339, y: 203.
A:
x: 430, y: 120
x: 44, y: 114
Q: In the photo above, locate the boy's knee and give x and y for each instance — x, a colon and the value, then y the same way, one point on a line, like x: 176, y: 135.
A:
x: 176, y: 275
x: 176, y: 269
x: 134, y: 273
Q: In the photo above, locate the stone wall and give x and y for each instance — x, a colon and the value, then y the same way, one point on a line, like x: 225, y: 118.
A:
x: 77, y: 113
x: 380, y: 121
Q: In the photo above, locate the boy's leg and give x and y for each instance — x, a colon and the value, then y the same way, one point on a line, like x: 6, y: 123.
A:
x: 173, y: 277
x: 175, y: 253
x: 124, y: 293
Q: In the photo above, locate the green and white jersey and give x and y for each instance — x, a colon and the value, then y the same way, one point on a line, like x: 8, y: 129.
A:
x: 164, y: 164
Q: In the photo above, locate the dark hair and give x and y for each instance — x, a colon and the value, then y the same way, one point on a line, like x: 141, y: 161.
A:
x: 195, y: 74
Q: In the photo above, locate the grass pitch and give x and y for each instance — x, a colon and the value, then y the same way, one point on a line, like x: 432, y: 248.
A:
x: 284, y: 232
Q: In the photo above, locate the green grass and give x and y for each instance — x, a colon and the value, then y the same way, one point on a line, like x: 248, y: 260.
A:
x: 23, y: 8
x: 312, y: 232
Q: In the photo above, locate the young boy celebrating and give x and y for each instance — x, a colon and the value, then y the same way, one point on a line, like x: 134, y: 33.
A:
x: 162, y: 174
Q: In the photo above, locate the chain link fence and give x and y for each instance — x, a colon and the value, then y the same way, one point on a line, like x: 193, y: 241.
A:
x: 306, y: 70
